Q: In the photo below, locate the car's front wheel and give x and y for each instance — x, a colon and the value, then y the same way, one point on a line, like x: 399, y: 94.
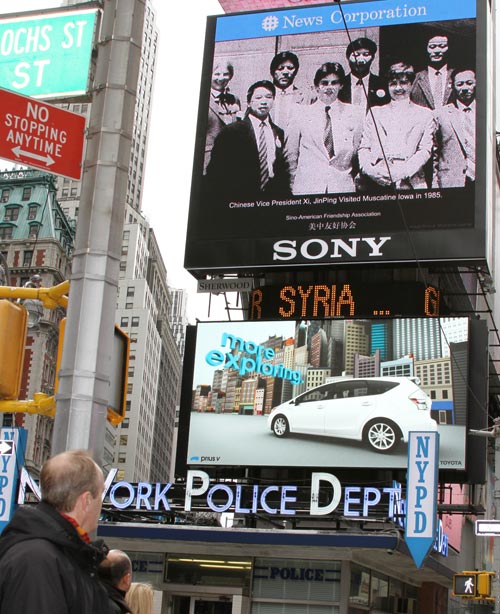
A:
x: 280, y: 426
x: 382, y: 435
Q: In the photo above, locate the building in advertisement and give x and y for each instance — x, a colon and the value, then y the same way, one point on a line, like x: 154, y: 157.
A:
x: 36, y: 238
x: 402, y: 367
x: 424, y: 336
x: 357, y: 341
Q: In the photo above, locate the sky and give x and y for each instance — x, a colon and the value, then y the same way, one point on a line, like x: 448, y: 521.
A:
x: 172, y: 136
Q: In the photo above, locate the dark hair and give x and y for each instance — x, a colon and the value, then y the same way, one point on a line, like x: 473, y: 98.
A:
x: 457, y: 71
x: 114, y: 567
x: 66, y: 476
x: 401, y: 69
x: 328, y: 68
x: 265, y: 84
x: 361, y: 43
x: 281, y: 57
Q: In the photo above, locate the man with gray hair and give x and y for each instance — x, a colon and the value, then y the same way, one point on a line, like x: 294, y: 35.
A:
x: 47, y: 563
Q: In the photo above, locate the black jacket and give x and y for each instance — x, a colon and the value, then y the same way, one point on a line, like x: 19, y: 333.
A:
x: 46, y: 568
x: 117, y: 603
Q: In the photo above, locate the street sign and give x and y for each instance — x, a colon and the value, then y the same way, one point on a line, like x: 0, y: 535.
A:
x: 10, y: 464
x: 6, y: 448
x: 41, y: 135
x: 487, y: 527
x: 225, y: 285
x: 421, y: 498
x: 47, y: 55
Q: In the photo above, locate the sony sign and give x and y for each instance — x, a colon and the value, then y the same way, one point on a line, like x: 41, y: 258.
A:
x: 318, y: 249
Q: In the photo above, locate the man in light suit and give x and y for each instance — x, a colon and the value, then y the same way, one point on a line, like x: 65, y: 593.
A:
x: 247, y: 159
x: 324, y: 139
x: 397, y: 138
x: 284, y: 68
x: 361, y: 86
x: 432, y: 87
x: 455, y: 140
x: 223, y: 106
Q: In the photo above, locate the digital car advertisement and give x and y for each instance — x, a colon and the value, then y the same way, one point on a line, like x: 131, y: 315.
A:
x: 373, y: 121
x: 327, y: 393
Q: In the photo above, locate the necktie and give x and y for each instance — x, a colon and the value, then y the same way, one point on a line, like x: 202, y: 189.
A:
x: 358, y: 95
x: 328, y: 137
x: 438, y: 90
x: 263, y: 167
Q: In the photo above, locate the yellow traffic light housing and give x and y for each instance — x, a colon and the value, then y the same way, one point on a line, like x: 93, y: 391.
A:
x: 119, y: 372
x: 473, y: 584
x: 13, y: 323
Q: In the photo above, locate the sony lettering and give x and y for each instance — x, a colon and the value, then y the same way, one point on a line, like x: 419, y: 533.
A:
x: 317, y: 249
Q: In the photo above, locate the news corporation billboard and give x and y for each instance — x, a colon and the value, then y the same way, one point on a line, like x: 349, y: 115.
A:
x: 338, y: 134
x: 326, y: 393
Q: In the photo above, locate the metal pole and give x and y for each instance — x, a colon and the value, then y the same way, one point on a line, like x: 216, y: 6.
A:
x: 84, y: 378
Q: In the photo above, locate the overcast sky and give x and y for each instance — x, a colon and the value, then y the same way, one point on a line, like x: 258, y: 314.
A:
x: 172, y: 135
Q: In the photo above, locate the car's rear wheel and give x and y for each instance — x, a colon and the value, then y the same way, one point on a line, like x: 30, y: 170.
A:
x: 280, y: 426
x: 382, y: 435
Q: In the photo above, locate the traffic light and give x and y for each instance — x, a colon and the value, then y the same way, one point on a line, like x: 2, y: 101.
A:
x: 473, y: 584
x: 118, y: 376
x: 13, y: 323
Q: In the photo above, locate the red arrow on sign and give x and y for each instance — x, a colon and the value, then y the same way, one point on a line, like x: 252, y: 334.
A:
x: 41, y: 135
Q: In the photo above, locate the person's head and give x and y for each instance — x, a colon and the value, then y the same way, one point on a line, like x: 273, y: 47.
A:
x: 400, y: 77
x: 464, y: 85
x: 328, y: 81
x: 360, y: 53
x: 116, y: 569
x: 140, y: 598
x: 284, y: 67
x: 437, y: 49
x: 260, y: 98
x: 222, y: 73
x: 73, y: 483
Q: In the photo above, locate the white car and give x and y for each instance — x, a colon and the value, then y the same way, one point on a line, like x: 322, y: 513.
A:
x: 380, y: 411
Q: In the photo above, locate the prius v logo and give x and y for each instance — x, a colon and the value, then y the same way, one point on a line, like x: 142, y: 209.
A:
x: 318, y: 249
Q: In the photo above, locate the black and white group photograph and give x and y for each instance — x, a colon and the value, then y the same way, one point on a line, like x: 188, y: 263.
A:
x: 343, y: 133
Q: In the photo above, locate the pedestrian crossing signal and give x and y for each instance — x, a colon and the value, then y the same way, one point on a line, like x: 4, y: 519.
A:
x: 465, y: 585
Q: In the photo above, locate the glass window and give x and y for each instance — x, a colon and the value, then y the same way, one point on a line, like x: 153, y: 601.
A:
x: 135, y: 321
x: 208, y: 570
x: 11, y: 214
x: 27, y: 257
x: 26, y: 193
x: 6, y: 232
x: 34, y: 229
x: 5, y: 195
x: 32, y: 211
x: 124, y: 322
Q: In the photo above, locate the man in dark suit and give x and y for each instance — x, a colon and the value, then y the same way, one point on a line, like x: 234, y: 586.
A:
x: 455, y: 155
x: 248, y: 160
x: 361, y: 86
x: 432, y: 87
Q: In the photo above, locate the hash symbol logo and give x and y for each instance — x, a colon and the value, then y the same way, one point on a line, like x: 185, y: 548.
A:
x: 270, y: 23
